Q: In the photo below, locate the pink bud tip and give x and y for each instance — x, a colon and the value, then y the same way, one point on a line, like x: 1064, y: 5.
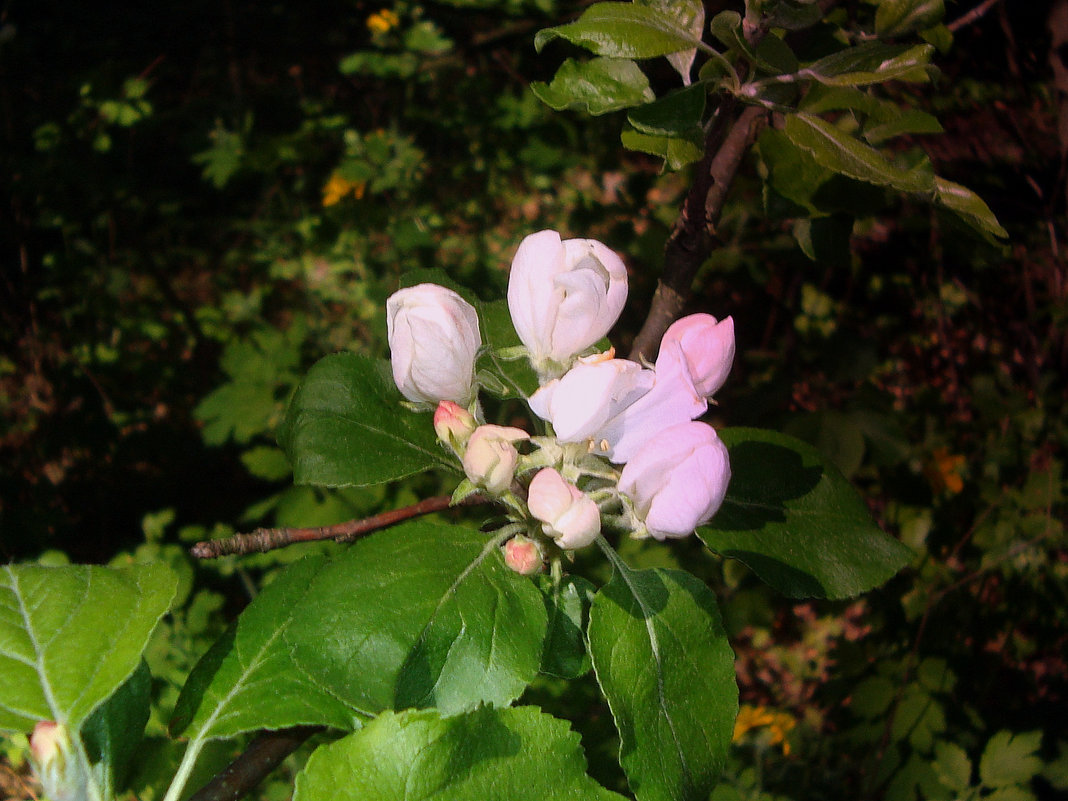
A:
x: 523, y: 556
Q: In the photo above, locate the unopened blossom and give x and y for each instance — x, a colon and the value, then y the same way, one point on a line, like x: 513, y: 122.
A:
x: 678, y: 479
x: 567, y: 514
x: 454, y: 425
x: 523, y: 555
x: 564, y: 296
x: 616, y: 405
x: 433, y: 340
x: 51, y: 753
x: 702, y: 346
x: 491, y: 457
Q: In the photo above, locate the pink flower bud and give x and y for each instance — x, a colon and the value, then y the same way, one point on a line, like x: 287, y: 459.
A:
x: 678, y: 479
x: 569, y: 516
x: 62, y: 777
x: 490, y: 458
x: 563, y: 296
x: 523, y: 555
x: 454, y: 425
x: 702, y: 347
x: 433, y: 340
x: 48, y: 740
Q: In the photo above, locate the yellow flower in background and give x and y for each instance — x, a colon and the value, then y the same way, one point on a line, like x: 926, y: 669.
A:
x: 382, y: 21
x: 778, y: 725
x: 944, y: 470
x: 337, y: 187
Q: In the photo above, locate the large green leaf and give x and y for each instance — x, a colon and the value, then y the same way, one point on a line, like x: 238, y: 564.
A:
x: 345, y: 426
x: 418, y: 615
x: 248, y: 679
x: 71, y: 635
x: 597, y: 86
x: 623, y: 30
x: 662, y: 659
x: 837, y: 150
x: 484, y: 755
x: 796, y: 522
x: 872, y: 62
x: 678, y: 115
x: 689, y: 15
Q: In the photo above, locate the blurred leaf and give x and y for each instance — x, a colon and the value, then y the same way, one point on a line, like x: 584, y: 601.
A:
x: 953, y: 767
x: 70, y: 636
x: 484, y: 755
x: 345, y: 425
x: 597, y: 86
x: 1010, y: 758
x: 661, y: 657
x: 839, y: 151
x: 793, y: 15
x: 796, y: 522
x: 622, y: 30
x: 898, y: 17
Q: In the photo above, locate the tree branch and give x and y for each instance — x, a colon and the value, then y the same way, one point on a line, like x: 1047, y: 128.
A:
x: 972, y: 15
x: 267, y: 539
x: 693, y: 235
x: 254, y: 764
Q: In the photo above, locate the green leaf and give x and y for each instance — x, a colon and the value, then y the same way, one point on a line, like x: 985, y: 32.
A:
x: 872, y: 63
x: 677, y: 115
x: 567, y: 603
x: 517, y: 375
x: 690, y: 15
x: 622, y: 30
x: 596, y: 87
x: 952, y: 766
x: 677, y: 153
x: 248, y: 679
x: 906, y: 121
x: 793, y: 15
x: 796, y: 522
x: 898, y: 17
x: 420, y: 615
x: 345, y: 426
x: 969, y: 207
x: 836, y: 150
x: 71, y: 635
x: 1011, y: 758
x: 484, y: 755
x: 661, y: 657
x: 113, y: 732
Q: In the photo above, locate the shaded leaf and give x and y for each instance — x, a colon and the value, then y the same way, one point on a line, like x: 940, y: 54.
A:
x: 567, y: 604
x: 796, y: 522
x: 872, y: 63
x: 661, y: 657
x: 677, y: 153
x: 970, y: 208
x: 597, y: 86
x: 677, y: 115
x: 483, y: 755
x: 114, y: 730
x: 71, y: 635
x: 1010, y: 758
x: 345, y: 426
x: 898, y: 17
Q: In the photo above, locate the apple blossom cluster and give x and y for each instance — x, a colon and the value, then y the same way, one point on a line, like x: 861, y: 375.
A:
x: 622, y: 443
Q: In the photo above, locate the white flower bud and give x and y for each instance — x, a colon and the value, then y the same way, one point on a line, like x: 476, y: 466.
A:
x: 678, y: 480
x: 563, y: 297
x: 701, y: 346
x: 491, y: 458
x: 569, y: 516
x: 433, y: 340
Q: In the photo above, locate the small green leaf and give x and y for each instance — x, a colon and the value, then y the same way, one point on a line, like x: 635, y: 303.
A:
x: 872, y: 697
x: 567, y: 603
x: 596, y: 87
x: 677, y: 115
x: 796, y: 522
x: 907, y: 121
x: 898, y: 17
x: 952, y: 766
x: 837, y: 150
x: 483, y: 755
x: 1011, y: 758
x: 70, y: 636
x: 677, y: 153
x: 967, y: 205
x: 622, y: 30
x: 661, y: 657
x: 345, y: 426
x: 872, y: 63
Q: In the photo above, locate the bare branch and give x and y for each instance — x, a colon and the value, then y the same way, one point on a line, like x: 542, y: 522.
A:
x: 267, y: 539
x: 253, y: 765
x: 973, y: 15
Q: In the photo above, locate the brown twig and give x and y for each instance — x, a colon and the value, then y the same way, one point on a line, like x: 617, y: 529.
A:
x: 693, y: 235
x: 972, y: 15
x: 254, y: 764
x: 267, y: 539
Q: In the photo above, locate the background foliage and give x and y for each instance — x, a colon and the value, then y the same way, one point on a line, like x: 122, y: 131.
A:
x: 201, y: 200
